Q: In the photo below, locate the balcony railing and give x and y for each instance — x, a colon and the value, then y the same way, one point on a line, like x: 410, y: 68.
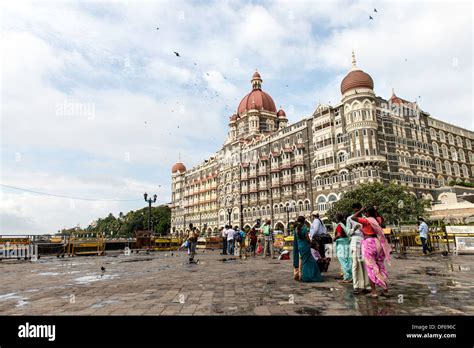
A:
x: 298, y: 161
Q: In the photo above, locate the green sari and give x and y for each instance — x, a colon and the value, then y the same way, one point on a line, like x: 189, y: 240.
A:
x: 309, y: 268
x: 343, y: 253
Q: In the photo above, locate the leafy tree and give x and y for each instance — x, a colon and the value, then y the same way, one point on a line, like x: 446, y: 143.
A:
x: 386, y: 198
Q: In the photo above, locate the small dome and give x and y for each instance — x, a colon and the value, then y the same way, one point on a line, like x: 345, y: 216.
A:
x: 233, y: 118
x: 178, y: 167
x: 281, y: 113
x: 356, y: 78
x: 256, y: 75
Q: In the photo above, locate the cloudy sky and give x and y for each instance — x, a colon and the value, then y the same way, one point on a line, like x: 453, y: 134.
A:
x: 95, y: 104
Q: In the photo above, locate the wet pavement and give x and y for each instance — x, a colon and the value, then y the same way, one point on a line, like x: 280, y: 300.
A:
x: 163, y: 283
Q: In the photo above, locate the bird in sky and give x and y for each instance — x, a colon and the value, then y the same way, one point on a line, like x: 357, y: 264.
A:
x: 370, y: 17
x: 157, y: 28
x: 375, y: 10
x: 177, y: 54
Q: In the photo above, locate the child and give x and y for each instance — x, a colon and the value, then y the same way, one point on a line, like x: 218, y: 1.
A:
x: 323, y: 262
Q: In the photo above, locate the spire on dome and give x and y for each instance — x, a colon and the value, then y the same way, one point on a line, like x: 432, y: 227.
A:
x: 393, y: 92
x: 354, y: 67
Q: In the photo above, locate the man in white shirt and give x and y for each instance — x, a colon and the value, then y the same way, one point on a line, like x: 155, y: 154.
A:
x: 317, y: 229
x: 230, y: 240
x: 360, y: 279
x: 224, y: 240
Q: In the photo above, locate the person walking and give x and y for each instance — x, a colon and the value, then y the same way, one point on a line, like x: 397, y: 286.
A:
x: 267, y: 239
x: 309, y: 270
x: 316, y: 232
x: 423, y: 229
x: 375, y: 249
x: 224, y: 239
x: 343, y: 252
x: 192, y: 243
x: 360, y: 279
x: 230, y: 240
x: 237, y: 241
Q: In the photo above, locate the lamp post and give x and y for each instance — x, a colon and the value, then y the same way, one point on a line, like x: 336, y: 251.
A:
x: 149, y: 200
x: 229, y: 211
x: 288, y: 208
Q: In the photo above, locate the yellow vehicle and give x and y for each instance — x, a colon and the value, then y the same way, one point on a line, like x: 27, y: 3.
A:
x: 288, y: 243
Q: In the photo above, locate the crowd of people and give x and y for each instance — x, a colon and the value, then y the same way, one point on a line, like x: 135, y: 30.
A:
x: 359, y: 241
x: 360, y: 245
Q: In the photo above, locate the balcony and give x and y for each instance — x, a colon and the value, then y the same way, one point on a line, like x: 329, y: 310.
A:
x: 275, y: 184
x: 285, y: 165
x: 298, y: 161
x: 365, y: 159
x: 262, y: 186
x: 245, y: 190
x: 287, y: 194
x: 244, y: 176
x: 299, y: 178
x: 252, y: 174
x: 262, y: 172
x: 253, y: 189
x: 300, y: 145
x: 326, y: 168
x: 274, y: 168
x: 286, y: 181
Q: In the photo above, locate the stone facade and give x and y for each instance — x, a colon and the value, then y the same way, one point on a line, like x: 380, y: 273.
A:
x: 268, y: 169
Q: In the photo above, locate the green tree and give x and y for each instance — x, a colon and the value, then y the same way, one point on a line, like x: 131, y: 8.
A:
x: 386, y: 198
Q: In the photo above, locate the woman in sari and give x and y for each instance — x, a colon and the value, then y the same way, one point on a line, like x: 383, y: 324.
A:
x: 343, y: 249
x: 301, y: 248
x: 375, y: 250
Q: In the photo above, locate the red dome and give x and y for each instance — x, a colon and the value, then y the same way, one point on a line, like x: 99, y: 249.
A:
x: 257, y: 99
x: 233, y: 118
x: 178, y: 167
x: 356, y: 79
x: 281, y: 113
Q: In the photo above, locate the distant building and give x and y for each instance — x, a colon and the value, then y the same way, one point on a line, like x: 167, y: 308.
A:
x: 267, y: 167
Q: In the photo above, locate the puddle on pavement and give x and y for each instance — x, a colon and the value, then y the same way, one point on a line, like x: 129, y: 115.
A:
x: 228, y: 260
x: 48, y: 273
x: 308, y: 311
x: 138, y: 260
x: 94, y: 278
x: 104, y: 303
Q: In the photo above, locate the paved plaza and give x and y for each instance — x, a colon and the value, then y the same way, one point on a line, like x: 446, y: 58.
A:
x: 162, y: 283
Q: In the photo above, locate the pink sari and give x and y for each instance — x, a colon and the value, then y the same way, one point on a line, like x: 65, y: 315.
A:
x: 380, y: 235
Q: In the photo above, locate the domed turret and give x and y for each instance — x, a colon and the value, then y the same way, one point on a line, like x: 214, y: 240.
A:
x: 178, y: 167
x: 257, y: 99
x: 356, y: 78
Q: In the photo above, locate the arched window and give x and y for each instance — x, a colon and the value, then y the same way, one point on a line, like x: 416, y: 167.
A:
x: 461, y: 155
x: 459, y: 141
x: 321, y: 203
x: 454, y: 154
x: 465, y: 171
x: 441, y: 136
x: 341, y: 157
x: 439, y: 166
x: 444, y: 150
x: 456, y: 169
x: 447, y: 167
x: 435, y: 149
x: 468, y: 144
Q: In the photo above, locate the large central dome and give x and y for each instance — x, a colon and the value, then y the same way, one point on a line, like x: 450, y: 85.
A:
x: 257, y: 99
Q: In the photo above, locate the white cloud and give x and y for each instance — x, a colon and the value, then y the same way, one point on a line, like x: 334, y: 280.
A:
x: 150, y: 105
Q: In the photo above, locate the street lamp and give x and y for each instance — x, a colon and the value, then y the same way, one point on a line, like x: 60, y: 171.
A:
x: 229, y: 210
x: 288, y: 208
x: 149, y: 200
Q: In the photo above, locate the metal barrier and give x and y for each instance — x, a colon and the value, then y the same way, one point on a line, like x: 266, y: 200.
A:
x: 16, y: 247
x: 86, y: 243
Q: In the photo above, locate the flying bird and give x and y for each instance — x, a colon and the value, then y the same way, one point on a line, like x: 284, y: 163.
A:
x: 157, y: 28
x: 375, y: 10
x: 177, y: 54
x: 370, y: 17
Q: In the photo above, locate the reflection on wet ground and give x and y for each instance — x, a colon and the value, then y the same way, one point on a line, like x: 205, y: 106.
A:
x: 164, y: 283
